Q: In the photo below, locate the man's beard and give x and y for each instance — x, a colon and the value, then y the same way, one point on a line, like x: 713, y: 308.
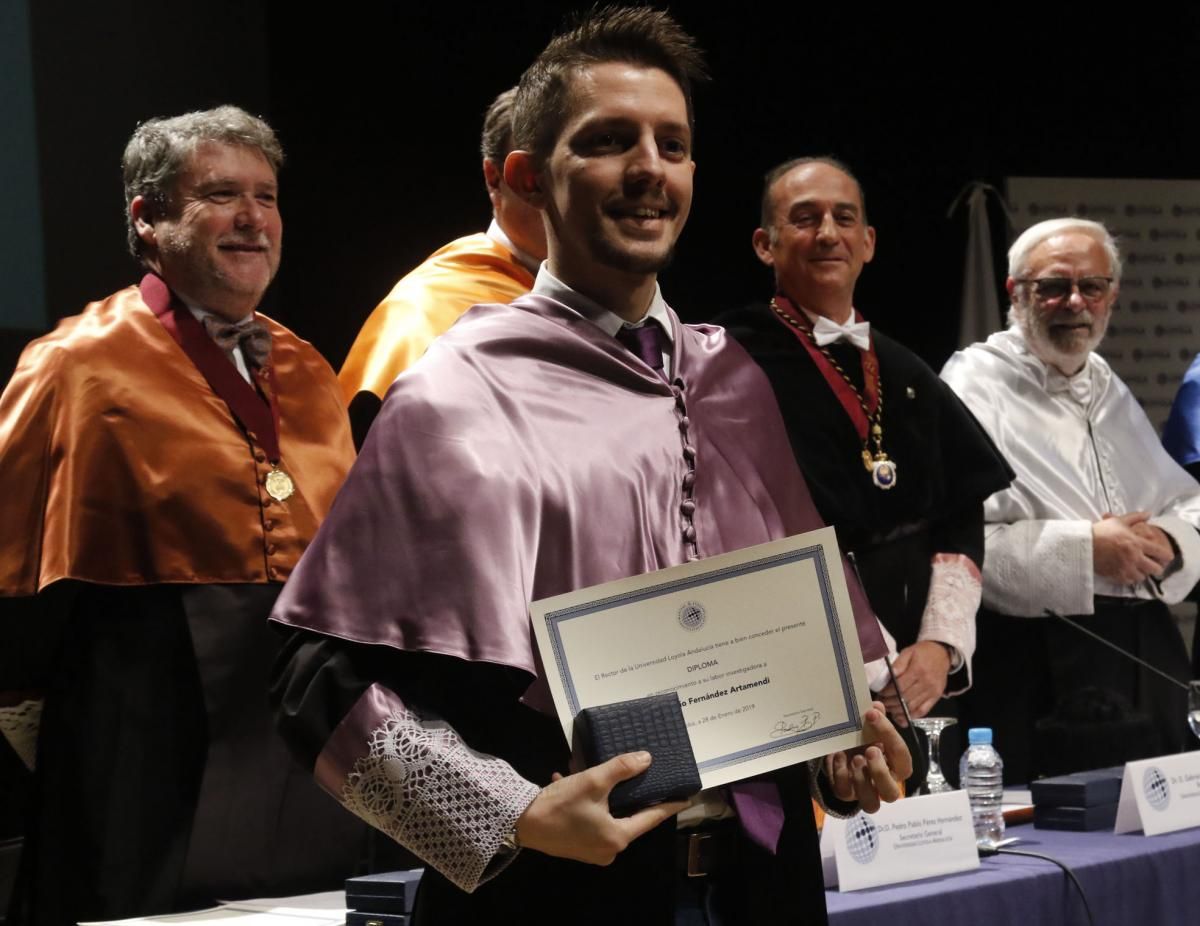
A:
x: 187, y: 250
x: 618, y: 258
x: 1063, y: 348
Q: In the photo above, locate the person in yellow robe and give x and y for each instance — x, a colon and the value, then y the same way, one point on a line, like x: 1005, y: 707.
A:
x: 496, y: 266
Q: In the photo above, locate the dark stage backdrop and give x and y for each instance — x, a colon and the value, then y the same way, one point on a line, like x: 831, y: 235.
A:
x: 379, y: 110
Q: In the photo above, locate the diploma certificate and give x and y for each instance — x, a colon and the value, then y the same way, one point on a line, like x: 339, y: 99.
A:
x: 759, y: 646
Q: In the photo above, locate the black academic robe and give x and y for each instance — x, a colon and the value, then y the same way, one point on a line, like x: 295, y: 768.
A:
x: 139, y: 559
x: 318, y: 679
x: 946, y: 463
x: 1061, y: 702
x: 161, y: 784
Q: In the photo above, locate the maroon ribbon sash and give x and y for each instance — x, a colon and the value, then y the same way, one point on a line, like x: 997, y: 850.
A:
x: 845, y: 393
x: 258, y: 416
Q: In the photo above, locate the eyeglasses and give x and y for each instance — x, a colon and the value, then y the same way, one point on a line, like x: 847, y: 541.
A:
x: 1050, y: 290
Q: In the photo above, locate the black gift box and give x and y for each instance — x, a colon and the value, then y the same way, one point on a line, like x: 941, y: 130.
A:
x: 653, y: 724
x: 1081, y: 789
x: 1080, y: 819
x: 391, y: 892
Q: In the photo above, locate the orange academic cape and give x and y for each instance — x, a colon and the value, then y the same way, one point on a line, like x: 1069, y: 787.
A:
x: 120, y: 465
x: 424, y: 304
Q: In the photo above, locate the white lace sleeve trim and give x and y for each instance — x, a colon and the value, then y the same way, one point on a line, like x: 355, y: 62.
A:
x: 955, y: 591
x: 424, y: 787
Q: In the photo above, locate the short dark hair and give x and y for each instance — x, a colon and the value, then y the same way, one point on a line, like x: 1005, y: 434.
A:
x: 497, y: 138
x: 637, y: 35
x: 775, y: 174
x: 159, y: 150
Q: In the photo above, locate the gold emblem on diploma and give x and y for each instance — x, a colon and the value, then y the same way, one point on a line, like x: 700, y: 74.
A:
x: 279, y: 485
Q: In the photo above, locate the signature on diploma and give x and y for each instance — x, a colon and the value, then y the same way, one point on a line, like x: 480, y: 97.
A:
x: 797, y: 722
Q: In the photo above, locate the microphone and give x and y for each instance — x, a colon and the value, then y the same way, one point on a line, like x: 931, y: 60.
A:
x: 908, y: 733
x: 1124, y: 652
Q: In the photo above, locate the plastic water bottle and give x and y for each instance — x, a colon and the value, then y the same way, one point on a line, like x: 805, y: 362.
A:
x: 981, y: 773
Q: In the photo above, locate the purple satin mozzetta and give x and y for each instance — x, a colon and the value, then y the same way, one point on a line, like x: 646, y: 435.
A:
x: 350, y: 739
x: 529, y: 454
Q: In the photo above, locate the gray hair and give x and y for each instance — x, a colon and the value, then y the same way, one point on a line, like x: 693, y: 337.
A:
x: 497, y: 139
x: 1018, y: 254
x: 159, y: 151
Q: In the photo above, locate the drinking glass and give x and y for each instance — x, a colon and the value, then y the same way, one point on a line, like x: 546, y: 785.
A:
x: 935, y: 781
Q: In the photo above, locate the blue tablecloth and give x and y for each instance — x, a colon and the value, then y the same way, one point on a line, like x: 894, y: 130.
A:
x: 1130, y: 880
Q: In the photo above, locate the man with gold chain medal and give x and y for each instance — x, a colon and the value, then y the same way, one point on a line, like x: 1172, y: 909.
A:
x: 894, y: 461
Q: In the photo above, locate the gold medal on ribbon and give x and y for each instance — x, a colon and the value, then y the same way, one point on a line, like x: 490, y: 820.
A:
x: 866, y: 411
x: 279, y: 485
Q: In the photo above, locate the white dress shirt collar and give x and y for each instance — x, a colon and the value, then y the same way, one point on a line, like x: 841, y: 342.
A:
x: 528, y: 261
x: 610, y: 323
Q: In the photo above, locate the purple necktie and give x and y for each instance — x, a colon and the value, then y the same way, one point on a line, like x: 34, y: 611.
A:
x: 760, y: 811
x: 645, y: 343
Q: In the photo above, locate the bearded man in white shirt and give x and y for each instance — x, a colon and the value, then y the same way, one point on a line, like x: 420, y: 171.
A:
x: 1099, y: 524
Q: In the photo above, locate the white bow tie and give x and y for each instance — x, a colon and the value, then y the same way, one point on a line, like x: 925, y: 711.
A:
x: 1078, y: 387
x: 826, y: 332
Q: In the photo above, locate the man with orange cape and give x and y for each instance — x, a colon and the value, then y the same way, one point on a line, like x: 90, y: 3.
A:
x: 497, y: 266
x: 168, y: 455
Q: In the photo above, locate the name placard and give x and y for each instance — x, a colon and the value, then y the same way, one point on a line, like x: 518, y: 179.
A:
x: 914, y: 838
x: 1160, y: 795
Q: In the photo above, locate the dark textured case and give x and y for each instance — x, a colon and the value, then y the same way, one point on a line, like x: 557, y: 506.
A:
x: 1081, y: 789
x: 653, y: 724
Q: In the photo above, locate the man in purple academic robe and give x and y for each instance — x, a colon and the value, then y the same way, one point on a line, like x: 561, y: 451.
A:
x: 579, y: 435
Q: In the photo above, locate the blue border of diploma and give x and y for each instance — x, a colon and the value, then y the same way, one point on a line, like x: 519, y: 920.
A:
x: 556, y: 619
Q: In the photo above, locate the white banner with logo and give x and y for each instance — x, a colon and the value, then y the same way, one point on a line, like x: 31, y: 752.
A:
x: 1160, y: 795
x: 1155, y: 327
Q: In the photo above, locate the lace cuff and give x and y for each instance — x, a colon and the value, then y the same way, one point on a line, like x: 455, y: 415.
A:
x: 955, y: 591
x: 1032, y: 565
x: 19, y: 725
x: 413, y: 778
